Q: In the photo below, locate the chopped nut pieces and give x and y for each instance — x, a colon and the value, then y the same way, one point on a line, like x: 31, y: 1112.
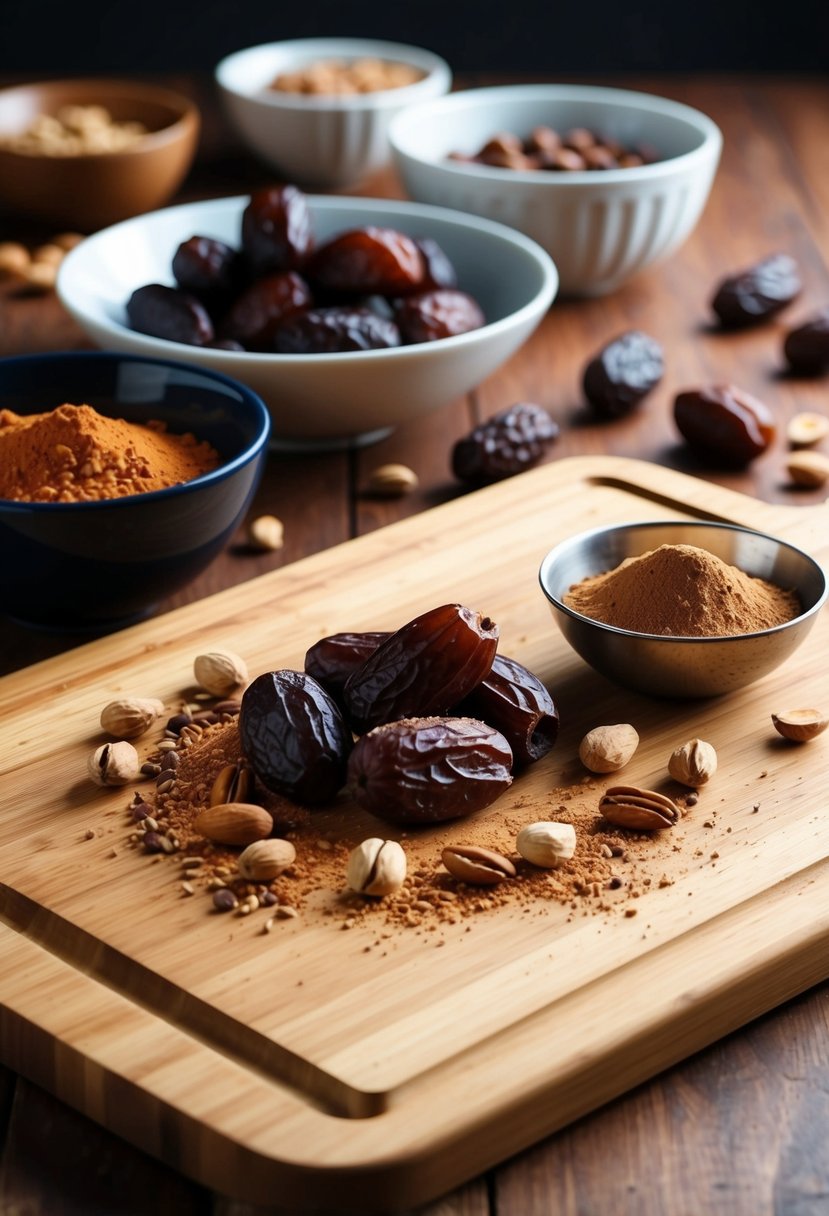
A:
x: 805, y: 429
x: 800, y: 725
x: 266, y: 859
x: 694, y: 763
x: 266, y: 533
x: 392, y: 481
x: 644, y: 810
x: 131, y: 716
x: 808, y: 469
x: 220, y: 672
x: 606, y: 749
x: 234, y: 823
x: 376, y: 867
x: 477, y: 866
x: 547, y: 844
x: 114, y: 764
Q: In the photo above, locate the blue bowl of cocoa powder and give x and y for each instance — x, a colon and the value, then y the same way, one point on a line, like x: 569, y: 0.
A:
x: 98, y: 565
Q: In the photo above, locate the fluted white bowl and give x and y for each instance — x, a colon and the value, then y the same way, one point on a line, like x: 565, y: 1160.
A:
x: 600, y: 227
x: 323, y: 141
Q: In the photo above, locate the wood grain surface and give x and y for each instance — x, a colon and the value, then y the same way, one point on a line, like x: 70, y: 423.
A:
x: 739, y: 1129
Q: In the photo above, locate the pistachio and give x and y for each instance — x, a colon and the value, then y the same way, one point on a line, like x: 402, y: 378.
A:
x: 129, y: 717
x: 807, y: 428
x: 800, y: 725
x: 808, y: 469
x: 392, y: 481
x: 233, y: 784
x: 114, y: 764
x: 644, y: 810
x: 220, y: 672
x: 694, y: 763
x: 546, y: 844
x: 265, y: 859
x: 376, y: 867
x: 234, y: 823
x: 267, y: 533
x: 606, y: 749
x: 477, y: 866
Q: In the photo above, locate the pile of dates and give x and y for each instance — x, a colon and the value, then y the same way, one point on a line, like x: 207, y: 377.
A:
x: 441, y: 720
x: 282, y: 293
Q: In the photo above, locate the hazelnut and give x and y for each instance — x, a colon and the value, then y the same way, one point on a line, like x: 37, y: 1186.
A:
x: 806, y: 429
x: 694, y: 763
x: 800, y: 725
x: 809, y: 469
x: 606, y: 749
x: 547, y: 844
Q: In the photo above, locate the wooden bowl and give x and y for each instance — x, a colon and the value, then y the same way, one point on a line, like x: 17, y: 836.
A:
x: 90, y: 191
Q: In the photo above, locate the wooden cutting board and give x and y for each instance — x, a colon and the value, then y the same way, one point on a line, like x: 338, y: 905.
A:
x: 310, y: 1068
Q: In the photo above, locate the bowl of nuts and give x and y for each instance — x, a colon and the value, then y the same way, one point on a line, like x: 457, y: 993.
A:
x: 608, y: 181
x: 121, y: 478
x: 87, y: 153
x: 682, y: 609
x: 348, y: 316
x: 317, y: 110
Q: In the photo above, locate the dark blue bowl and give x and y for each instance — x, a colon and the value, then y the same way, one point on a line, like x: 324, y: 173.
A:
x: 99, y: 565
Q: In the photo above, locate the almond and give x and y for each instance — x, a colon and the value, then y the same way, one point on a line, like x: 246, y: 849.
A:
x: 234, y: 823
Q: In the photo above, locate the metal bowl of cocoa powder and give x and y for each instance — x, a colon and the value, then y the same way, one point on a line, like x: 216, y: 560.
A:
x: 681, y: 609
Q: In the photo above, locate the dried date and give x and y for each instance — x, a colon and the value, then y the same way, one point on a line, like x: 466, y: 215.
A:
x: 622, y: 373
x: 513, y: 700
x: 758, y: 292
x: 426, y: 770
x: 368, y: 260
x: 724, y: 425
x: 431, y: 315
x: 438, y: 271
x: 255, y: 316
x: 276, y: 230
x: 425, y: 668
x: 166, y: 312
x: 511, y: 441
x: 208, y: 269
x: 320, y: 331
x: 807, y: 347
x: 332, y: 659
x: 294, y: 736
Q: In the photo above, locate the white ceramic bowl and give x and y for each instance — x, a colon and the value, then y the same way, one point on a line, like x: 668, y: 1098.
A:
x: 600, y: 227
x: 322, y: 141
x: 333, y: 397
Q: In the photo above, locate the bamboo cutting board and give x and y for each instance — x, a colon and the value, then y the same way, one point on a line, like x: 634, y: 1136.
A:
x: 308, y: 1067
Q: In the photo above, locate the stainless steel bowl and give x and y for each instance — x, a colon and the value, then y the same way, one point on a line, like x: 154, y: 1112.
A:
x: 671, y: 666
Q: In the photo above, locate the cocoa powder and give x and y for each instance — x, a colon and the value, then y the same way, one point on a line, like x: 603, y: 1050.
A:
x: 682, y: 591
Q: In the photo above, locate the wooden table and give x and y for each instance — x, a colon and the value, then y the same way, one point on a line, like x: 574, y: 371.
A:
x: 741, y: 1129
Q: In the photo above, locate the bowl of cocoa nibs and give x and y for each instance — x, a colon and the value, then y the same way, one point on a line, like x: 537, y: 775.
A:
x: 608, y: 181
x: 682, y: 609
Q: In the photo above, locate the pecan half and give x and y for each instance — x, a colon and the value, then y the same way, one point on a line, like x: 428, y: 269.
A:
x: 643, y: 810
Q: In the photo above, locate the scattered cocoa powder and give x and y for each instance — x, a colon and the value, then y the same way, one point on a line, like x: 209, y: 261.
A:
x: 682, y: 591
x: 75, y: 454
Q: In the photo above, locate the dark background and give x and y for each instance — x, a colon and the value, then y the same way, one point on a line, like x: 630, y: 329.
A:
x: 528, y: 36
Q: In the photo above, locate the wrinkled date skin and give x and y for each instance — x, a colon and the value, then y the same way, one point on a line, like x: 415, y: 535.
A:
x: 622, y: 373
x: 323, y: 331
x: 256, y: 315
x: 431, y: 315
x: 368, y: 260
x: 165, y: 312
x: 208, y: 269
x: 332, y: 659
x: 425, y: 770
x: 511, y: 441
x: 757, y: 293
x: 807, y: 347
x: 724, y: 425
x: 516, y: 703
x: 294, y: 736
x: 276, y: 230
x: 425, y: 668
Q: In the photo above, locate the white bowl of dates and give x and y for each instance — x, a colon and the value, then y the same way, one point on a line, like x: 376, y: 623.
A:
x: 608, y: 181
x: 348, y: 316
x: 317, y: 110
x: 702, y: 588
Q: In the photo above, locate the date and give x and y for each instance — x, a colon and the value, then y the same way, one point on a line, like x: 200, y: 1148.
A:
x: 757, y: 293
x: 333, y: 659
x: 511, y: 441
x: 209, y: 269
x: 368, y: 260
x: 426, y: 770
x: 431, y: 315
x: 513, y: 700
x: 324, y: 331
x: 294, y: 736
x: 438, y: 271
x: 425, y: 668
x: 276, y: 230
x: 166, y: 312
x: 622, y: 373
x: 256, y: 315
x: 807, y: 347
x: 724, y: 425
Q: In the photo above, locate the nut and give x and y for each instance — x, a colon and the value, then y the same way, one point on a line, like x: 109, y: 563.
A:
x: 805, y: 429
x: 265, y: 859
x: 234, y: 823
x: 392, y: 481
x: 376, y: 867
x: 694, y: 763
x: 800, y: 725
x: 266, y: 533
x: 233, y: 784
x: 643, y: 810
x: 547, y: 844
x: 606, y: 749
x: 477, y: 866
x: 114, y: 764
x: 129, y: 717
x: 810, y: 469
x: 14, y: 260
x: 220, y: 672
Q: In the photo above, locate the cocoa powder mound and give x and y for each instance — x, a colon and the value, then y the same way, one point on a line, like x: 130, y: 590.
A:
x: 682, y: 591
